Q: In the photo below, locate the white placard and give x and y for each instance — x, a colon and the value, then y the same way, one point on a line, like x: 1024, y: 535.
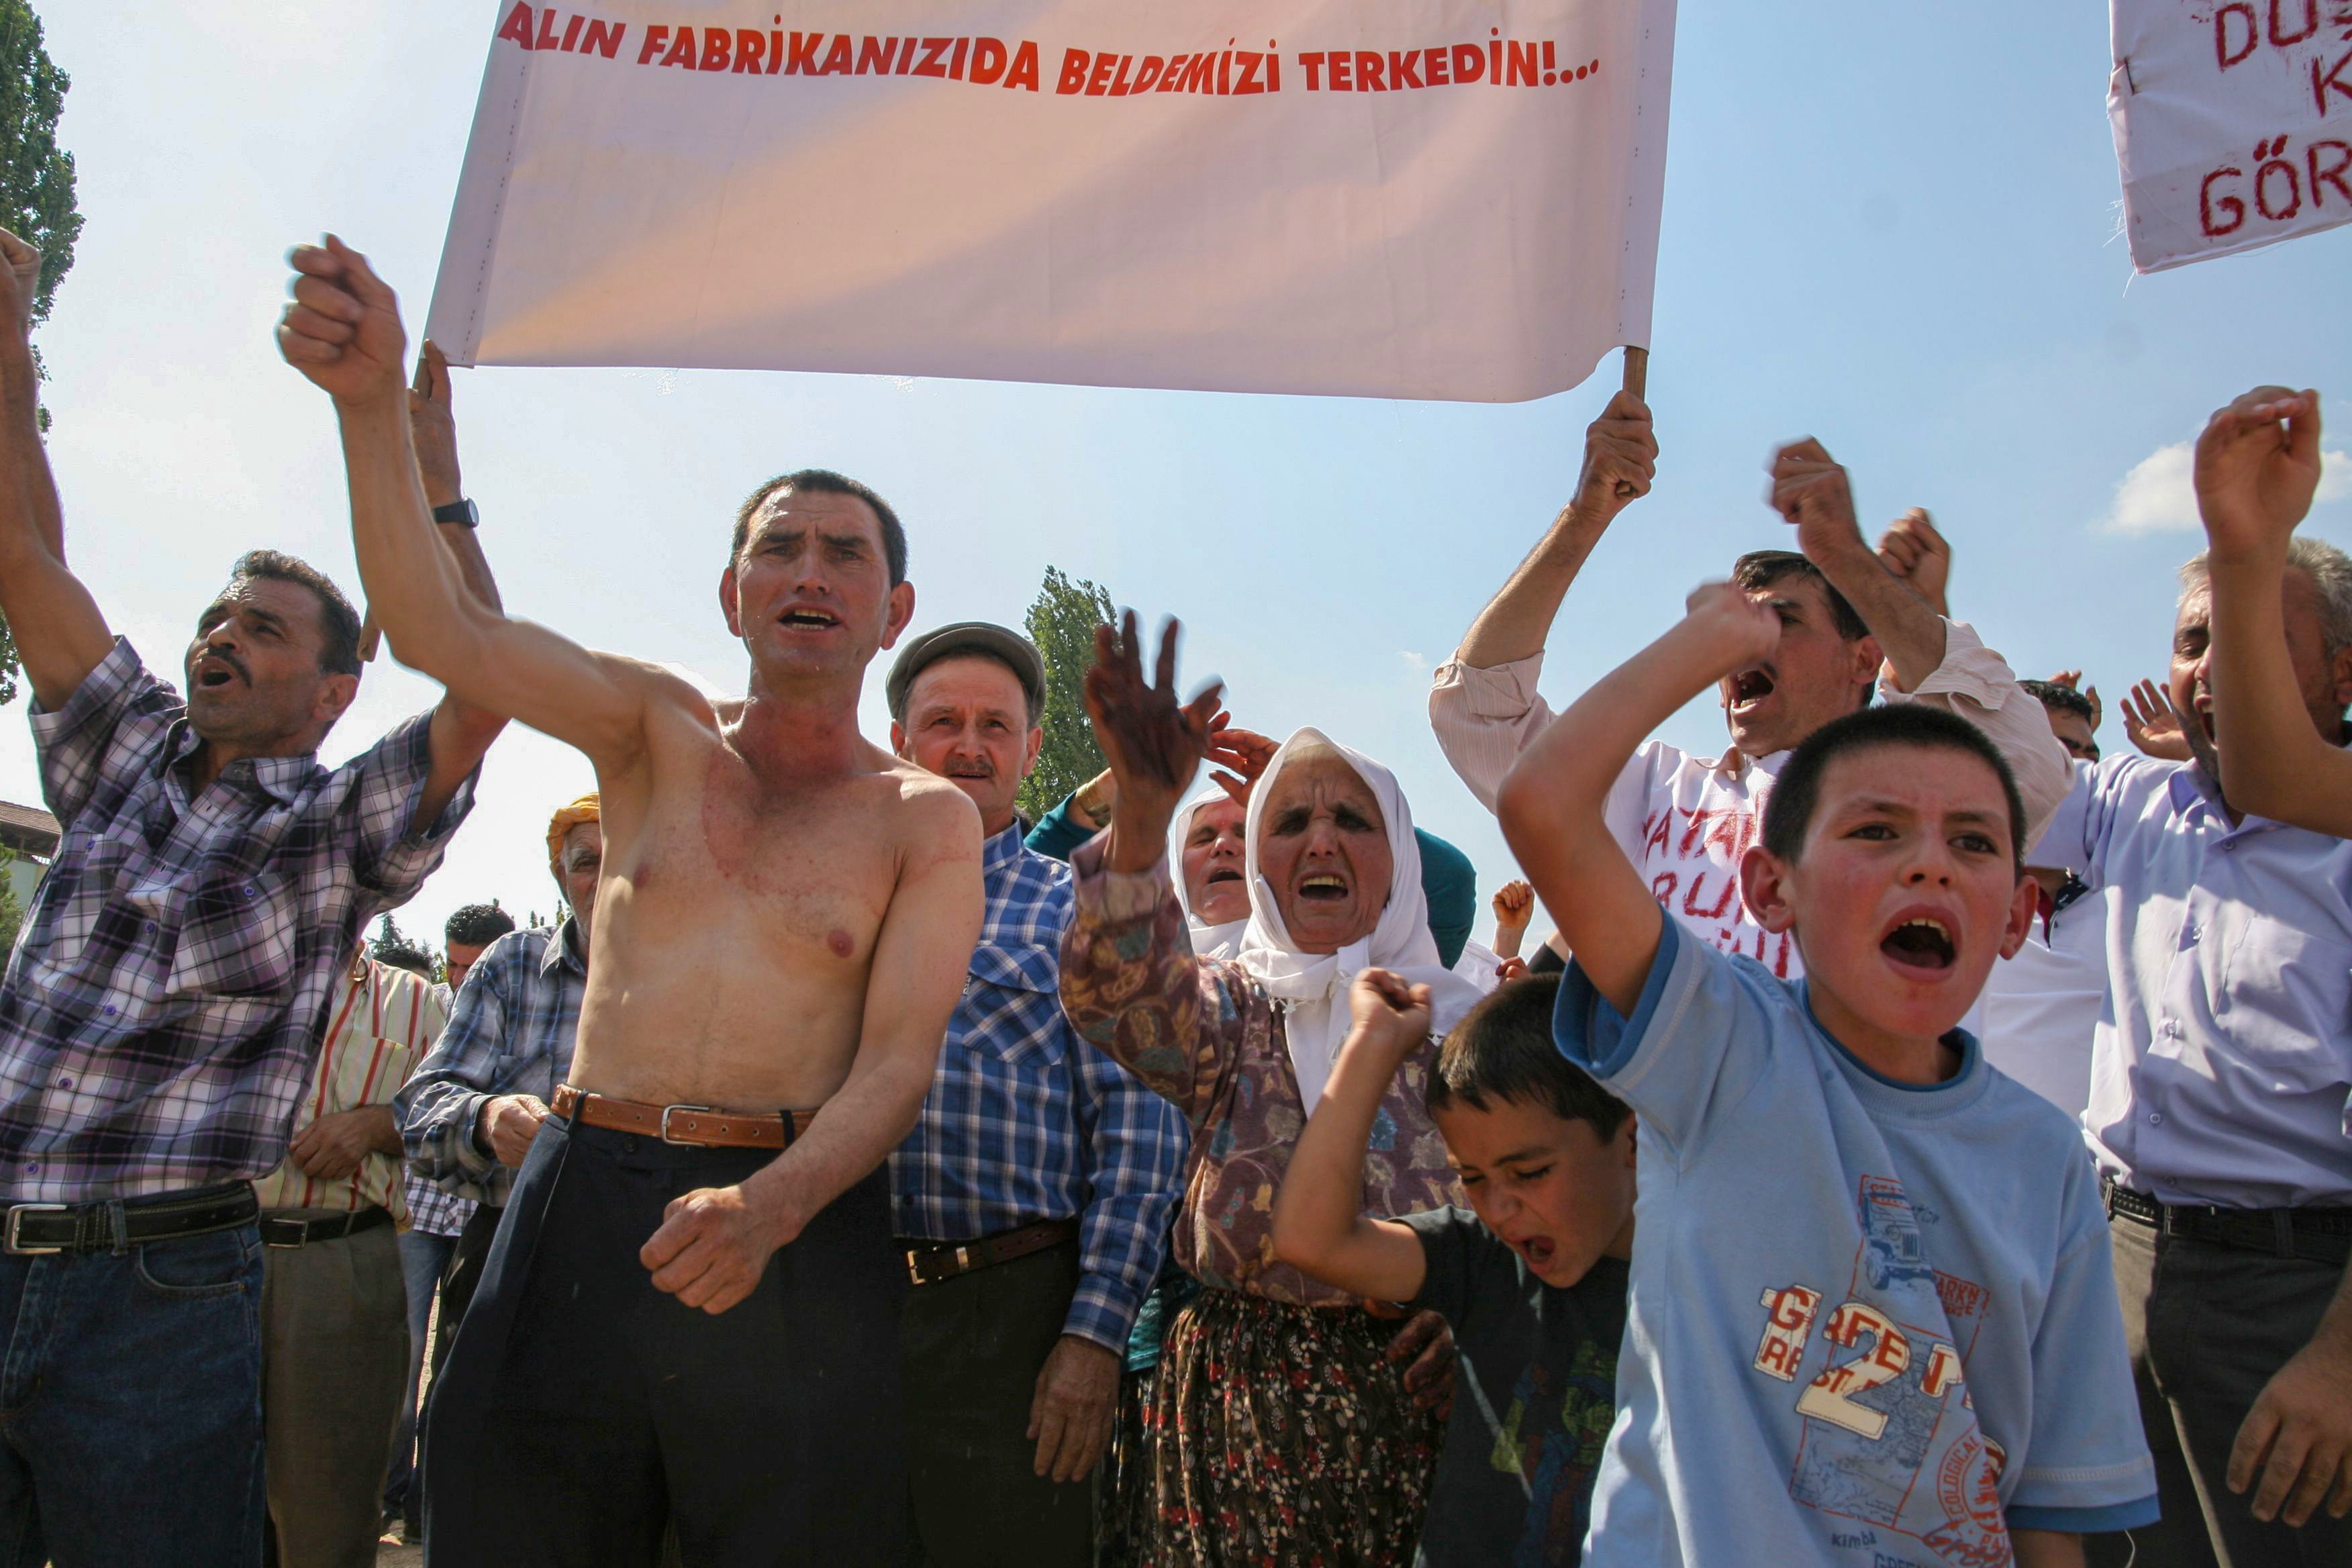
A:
x: 1432, y: 199
x: 2233, y: 121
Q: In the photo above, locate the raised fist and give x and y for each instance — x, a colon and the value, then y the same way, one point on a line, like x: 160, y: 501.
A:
x: 1741, y: 631
x: 1621, y: 460
x: 342, y: 330
x: 1912, y: 549
x: 1810, y: 490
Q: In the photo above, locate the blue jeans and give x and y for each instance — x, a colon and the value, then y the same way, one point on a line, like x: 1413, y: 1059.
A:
x: 423, y: 1257
x: 131, y: 1402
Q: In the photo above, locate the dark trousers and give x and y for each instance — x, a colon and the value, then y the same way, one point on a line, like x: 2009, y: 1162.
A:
x: 130, y: 1406
x: 2208, y: 1325
x: 464, y: 1276
x: 972, y: 1348
x: 581, y: 1408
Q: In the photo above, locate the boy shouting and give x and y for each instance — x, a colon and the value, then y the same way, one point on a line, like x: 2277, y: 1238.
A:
x: 1861, y: 1329
x: 1532, y: 1282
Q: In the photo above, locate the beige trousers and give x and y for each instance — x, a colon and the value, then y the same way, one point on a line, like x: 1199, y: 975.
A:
x: 334, y: 1339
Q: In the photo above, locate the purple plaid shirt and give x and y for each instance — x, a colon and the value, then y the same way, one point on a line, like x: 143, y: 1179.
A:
x: 162, y: 1012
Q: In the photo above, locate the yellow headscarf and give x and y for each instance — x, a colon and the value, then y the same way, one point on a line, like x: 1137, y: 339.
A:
x: 585, y: 809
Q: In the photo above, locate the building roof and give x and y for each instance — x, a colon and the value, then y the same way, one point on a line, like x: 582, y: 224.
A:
x: 28, y: 829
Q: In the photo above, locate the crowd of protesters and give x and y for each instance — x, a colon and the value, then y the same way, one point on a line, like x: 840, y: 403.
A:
x: 859, y: 1173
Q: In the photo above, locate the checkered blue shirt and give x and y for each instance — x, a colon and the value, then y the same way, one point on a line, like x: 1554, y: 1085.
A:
x: 1026, y: 1121
x: 163, y: 1010
x: 512, y: 1031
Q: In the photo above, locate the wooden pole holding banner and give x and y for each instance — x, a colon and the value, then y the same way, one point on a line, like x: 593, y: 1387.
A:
x: 1637, y: 382
x: 422, y: 384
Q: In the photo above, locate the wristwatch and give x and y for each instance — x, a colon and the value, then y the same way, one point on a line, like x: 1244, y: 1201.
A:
x: 458, y: 512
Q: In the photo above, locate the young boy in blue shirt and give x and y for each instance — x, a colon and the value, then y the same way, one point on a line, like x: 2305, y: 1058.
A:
x: 1532, y: 1283
x: 1873, y: 1318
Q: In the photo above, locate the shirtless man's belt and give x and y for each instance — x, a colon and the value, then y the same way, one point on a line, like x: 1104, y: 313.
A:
x: 697, y: 1126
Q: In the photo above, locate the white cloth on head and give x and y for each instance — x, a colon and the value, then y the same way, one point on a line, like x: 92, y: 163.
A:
x: 1312, y: 988
x: 1208, y: 940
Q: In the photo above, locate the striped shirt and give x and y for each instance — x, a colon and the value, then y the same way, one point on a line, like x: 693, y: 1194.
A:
x: 1026, y: 1121
x: 164, y: 1007
x: 384, y: 1022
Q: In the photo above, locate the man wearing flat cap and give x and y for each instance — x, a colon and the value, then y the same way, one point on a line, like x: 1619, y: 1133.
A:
x: 1034, y: 1196
x: 469, y: 1114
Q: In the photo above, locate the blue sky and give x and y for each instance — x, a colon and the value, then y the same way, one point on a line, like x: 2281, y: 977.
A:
x: 1895, y: 228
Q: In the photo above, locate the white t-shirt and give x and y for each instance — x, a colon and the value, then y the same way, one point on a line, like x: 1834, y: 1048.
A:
x: 2042, y: 1008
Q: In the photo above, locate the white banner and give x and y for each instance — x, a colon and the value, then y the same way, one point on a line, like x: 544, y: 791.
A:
x: 2234, y: 124
x: 1424, y: 199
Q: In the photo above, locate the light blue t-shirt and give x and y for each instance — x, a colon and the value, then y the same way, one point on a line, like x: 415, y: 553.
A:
x: 1871, y: 1324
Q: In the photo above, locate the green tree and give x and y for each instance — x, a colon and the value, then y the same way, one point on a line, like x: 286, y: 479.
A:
x: 36, y: 189
x: 1062, y: 623
x: 12, y: 908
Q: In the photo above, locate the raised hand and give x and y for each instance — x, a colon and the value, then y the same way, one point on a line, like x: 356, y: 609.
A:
x: 1914, y: 552
x: 1388, y: 1013
x: 1738, y: 631
x: 1153, y: 743
x: 2153, y: 725
x: 1621, y: 460
x: 1810, y: 490
x: 1513, y: 902
x: 434, y: 429
x: 1244, y: 754
x: 2072, y: 680
x: 342, y: 330
x: 2258, y: 465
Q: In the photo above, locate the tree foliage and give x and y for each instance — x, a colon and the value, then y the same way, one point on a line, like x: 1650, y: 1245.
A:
x: 37, y: 188
x: 1062, y: 623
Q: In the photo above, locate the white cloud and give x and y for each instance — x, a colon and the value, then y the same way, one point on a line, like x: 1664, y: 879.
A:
x: 1414, y: 662
x: 2159, y: 495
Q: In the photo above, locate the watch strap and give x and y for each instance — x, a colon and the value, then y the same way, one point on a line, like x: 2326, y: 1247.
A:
x: 458, y: 512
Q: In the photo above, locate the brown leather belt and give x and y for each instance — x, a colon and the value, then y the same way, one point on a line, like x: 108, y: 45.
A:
x: 696, y: 1125
x: 932, y: 1262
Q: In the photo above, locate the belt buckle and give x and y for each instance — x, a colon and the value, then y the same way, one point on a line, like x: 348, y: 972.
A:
x: 302, y: 1228
x: 16, y: 1213
x: 669, y: 1110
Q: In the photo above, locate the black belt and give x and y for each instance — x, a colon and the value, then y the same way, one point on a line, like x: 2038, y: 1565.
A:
x: 286, y: 1230
x: 36, y: 1229
x: 2286, y: 1233
x: 932, y: 1262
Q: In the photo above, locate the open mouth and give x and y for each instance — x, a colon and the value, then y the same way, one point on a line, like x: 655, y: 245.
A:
x: 1223, y: 873
x: 1537, y: 1250
x: 1749, y: 688
x: 216, y: 671
x: 1920, y: 942
x: 807, y: 620
x: 1323, y: 889
x: 970, y: 771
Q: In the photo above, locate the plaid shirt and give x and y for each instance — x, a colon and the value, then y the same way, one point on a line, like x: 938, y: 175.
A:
x: 1026, y: 1121
x: 517, y: 1019
x: 163, y: 1010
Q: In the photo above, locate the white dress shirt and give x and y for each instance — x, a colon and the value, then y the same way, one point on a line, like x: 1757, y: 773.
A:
x: 2041, y: 1010
x: 2222, y: 1071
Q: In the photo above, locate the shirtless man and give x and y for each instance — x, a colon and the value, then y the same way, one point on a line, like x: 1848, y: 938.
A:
x: 675, y: 1321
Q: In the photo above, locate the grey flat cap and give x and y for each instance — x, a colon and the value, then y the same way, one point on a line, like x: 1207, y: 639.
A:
x: 984, y: 637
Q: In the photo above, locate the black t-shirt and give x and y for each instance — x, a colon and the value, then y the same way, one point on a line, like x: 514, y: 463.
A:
x: 1532, y: 1404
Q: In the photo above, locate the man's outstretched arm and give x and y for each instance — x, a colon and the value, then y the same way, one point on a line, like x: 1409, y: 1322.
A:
x: 714, y: 1243
x: 2258, y: 467
x: 1482, y: 709
x: 59, y: 632
x: 344, y: 333
x: 1620, y: 446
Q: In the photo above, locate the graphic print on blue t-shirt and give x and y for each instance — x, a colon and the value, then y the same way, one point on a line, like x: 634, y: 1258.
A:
x: 1873, y: 1416
x: 1551, y: 1438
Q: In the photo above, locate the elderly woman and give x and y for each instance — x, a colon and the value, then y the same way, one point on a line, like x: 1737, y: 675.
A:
x: 1282, y: 1432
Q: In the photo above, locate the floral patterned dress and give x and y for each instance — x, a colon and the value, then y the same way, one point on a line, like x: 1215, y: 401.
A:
x: 1278, y: 1433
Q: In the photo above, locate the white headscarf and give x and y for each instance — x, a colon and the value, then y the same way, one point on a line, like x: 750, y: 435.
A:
x: 1208, y: 940
x: 1313, y: 987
